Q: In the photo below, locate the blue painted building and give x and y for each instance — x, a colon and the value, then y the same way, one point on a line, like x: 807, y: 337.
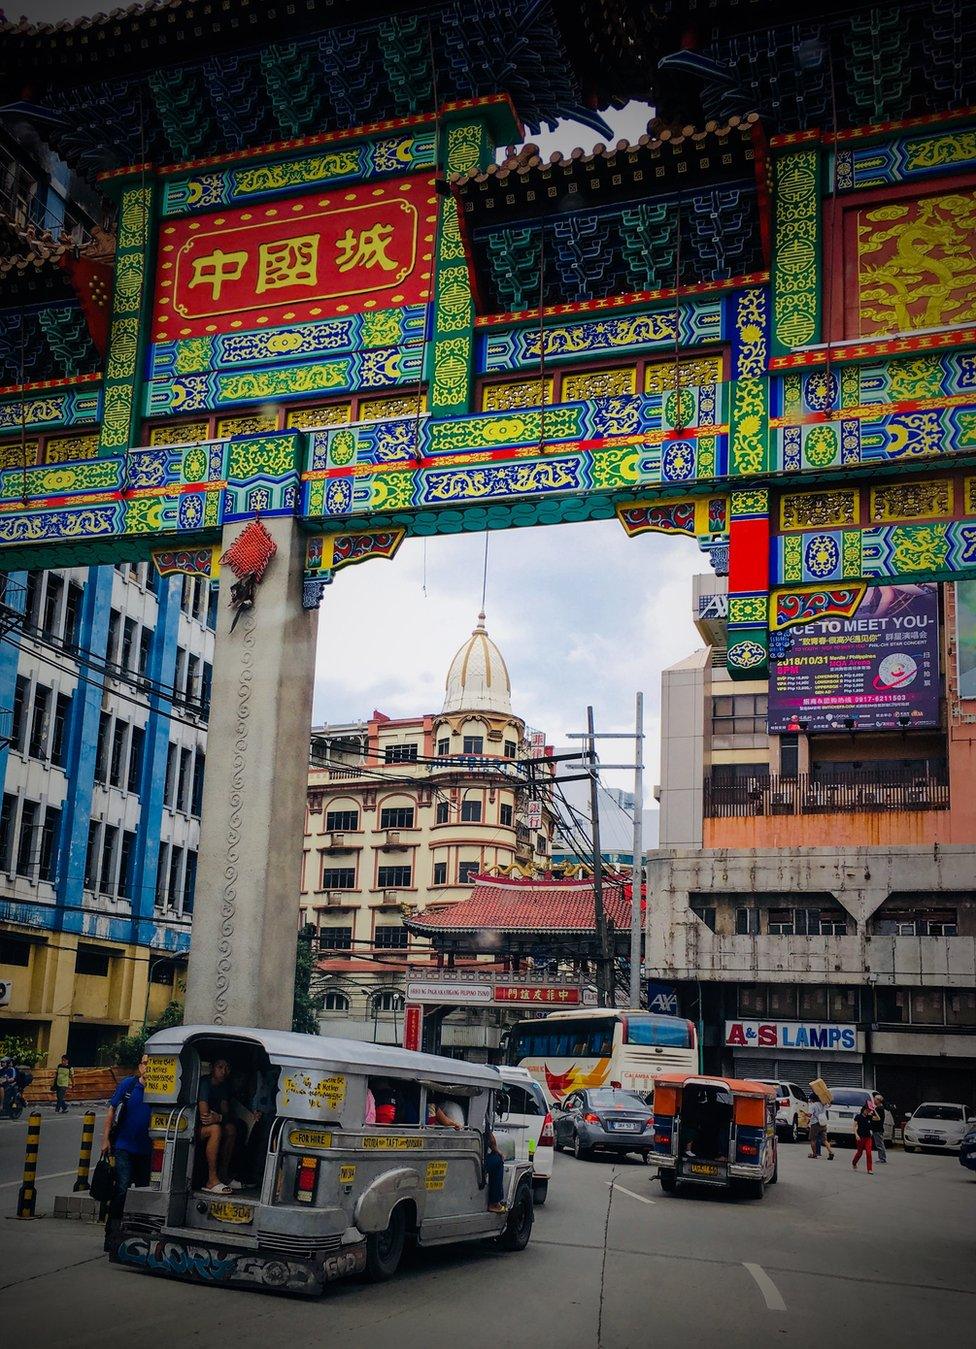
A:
x: 106, y: 675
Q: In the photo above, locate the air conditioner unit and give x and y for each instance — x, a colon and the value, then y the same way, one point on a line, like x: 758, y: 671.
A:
x: 334, y: 898
x: 391, y: 896
x: 335, y: 840
x: 392, y: 839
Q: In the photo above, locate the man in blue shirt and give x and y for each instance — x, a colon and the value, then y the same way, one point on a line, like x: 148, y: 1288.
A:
x: 130, y: 1146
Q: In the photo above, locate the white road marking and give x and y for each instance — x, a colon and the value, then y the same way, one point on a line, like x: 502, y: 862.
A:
x: 52, y: 1175
x: 639, y: 1197
x: 774, y: 1298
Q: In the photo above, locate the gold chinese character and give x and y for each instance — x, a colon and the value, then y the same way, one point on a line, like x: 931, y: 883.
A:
x: 367, y: 249
x: 289, y: 262
x: 216, y: 268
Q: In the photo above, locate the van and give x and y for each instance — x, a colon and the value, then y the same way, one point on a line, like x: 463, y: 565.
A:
x: 318, y: 1192
x: 526, y: 1118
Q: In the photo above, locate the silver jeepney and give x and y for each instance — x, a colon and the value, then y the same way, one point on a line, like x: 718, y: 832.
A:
x: 336, y: 1196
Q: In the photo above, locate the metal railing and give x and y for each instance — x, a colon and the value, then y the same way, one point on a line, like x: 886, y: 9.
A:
x: 875, y: 789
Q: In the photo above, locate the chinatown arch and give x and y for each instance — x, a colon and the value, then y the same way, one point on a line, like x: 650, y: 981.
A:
x: 754, y: 329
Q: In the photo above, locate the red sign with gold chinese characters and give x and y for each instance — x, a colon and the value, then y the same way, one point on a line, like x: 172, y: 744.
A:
x: 296, y: 261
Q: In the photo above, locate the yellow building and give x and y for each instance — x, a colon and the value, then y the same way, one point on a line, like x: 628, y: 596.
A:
x: 403, y: 814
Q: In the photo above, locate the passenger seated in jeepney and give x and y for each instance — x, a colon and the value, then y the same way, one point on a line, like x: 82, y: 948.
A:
x: 216, y: 1127
x: 446, y: 1112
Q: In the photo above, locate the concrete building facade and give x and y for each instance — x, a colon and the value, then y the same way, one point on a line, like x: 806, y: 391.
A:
x: 404, y: 814
x: 814, y: 896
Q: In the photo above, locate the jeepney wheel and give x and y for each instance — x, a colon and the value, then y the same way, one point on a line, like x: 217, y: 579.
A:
x: 385, y: 1249
x: 518, y: 1229
x: 669, y: 1181
x: 754, y: 1189
x: 580, y: 1152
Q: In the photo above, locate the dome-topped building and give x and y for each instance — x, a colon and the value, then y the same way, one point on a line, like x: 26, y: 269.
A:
x: 478, y: 678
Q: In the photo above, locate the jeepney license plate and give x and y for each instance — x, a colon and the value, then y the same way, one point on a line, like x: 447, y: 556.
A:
x: 700, y: 1169
x: 230, y: 1211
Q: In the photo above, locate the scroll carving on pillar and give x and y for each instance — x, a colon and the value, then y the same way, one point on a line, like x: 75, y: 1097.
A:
x: 228, y: 896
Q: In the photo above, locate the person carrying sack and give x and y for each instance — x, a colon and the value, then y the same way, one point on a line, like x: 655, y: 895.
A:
x: 126, y: 1136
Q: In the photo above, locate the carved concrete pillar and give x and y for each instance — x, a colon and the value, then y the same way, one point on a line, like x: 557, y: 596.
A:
x: 245, y: 919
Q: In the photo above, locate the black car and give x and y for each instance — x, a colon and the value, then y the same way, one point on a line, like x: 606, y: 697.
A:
x: 607, y: 1119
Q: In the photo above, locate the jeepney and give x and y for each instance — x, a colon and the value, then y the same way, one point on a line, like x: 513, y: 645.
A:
x: 716, y: 1131
x: 330, y: 1195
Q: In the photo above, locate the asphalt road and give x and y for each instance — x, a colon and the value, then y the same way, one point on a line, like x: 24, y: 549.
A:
x: 829, y: 1256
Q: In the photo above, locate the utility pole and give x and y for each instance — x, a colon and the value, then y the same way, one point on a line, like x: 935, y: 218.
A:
x: 637, y: 870
x: 605, y: 980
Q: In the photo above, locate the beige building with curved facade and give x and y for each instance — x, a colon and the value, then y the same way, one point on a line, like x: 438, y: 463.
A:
x: 403, y: 814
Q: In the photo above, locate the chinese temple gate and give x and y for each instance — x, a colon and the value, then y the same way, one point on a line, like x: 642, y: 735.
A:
x: 329, y: 308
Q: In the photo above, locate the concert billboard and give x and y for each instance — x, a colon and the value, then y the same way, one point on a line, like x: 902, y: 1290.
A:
x: 877, y: 669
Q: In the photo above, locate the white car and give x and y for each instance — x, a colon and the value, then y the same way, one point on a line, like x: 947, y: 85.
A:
x: 846, y: 1102
x: 528, y: 1123
x: 936, y: 1124
x: 792, y: 1108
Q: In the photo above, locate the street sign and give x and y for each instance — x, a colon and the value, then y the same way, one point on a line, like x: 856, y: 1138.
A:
x: 423, y: 990
x: 492, y: 989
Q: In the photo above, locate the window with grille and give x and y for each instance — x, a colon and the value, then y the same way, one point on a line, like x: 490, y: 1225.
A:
x: 396, y: 817
x: 335, y: 1002
x: 440, y: 873
x: 117, y: 759
x: 335, y: 938
x: 127, y: 850
x: 505, y: 815
x: 48, y: 854
x: 739, y: 714
x: 401, y: 753
x: 471, y: 811
x: 7, y: 813
x: 28, y: 840
x: 511, y: 749
x: 473, y: 744
x: 338, y: 878
x: 339, y: 821
x: 390, y: 936
x: 106, y: 875
x: 59, y: 732
x: 467, y: 872
x: 93, y: 962
x: 387, y: 1002
x: 394, y: 878
x: 917, y: 923
x: 443, y: 813
x: 13, y: 952
x: 443, y: 748
x: 37, y: 743
x: 183, y: 783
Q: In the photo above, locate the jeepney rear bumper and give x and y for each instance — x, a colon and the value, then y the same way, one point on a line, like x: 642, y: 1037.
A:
x: 199, y: 1258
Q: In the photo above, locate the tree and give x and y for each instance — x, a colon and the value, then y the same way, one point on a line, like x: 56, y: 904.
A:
x: 130, y: 1048
x: 303, y: 1017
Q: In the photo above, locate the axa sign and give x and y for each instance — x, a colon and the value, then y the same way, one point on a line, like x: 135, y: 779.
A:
x: 790, y: 1035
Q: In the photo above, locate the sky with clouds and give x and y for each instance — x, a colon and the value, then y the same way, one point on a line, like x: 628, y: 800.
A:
x: 581, y: 613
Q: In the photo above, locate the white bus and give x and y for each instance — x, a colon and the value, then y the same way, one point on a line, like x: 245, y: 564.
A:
x: 573, y: 1050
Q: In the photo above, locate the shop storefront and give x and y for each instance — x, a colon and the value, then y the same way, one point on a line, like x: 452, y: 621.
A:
x: 796, y: 1051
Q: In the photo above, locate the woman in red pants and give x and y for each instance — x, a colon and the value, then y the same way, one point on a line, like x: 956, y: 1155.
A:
x: 865, y: 1123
